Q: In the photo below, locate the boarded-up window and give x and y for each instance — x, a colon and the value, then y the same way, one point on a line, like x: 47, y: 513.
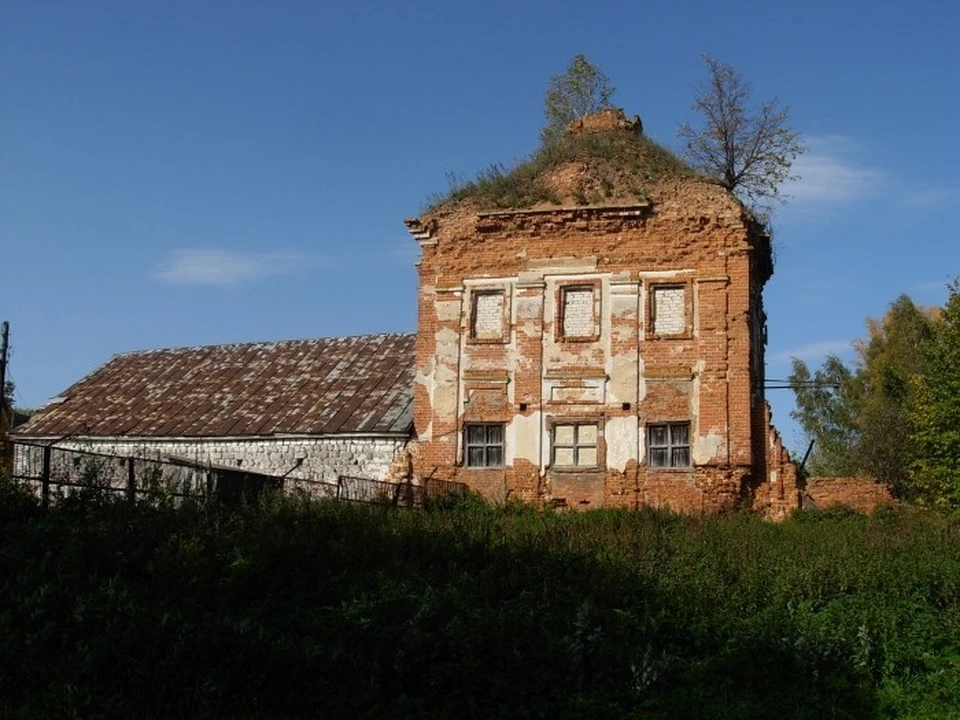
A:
x: 669, y: 311
x: 488, y: 315
x: 578, y: 312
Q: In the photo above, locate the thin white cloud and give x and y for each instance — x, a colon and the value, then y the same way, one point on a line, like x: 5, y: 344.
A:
x: 828, y: 174
x: 811, y: 351
x: 931, y: 198
x: 198, y: 266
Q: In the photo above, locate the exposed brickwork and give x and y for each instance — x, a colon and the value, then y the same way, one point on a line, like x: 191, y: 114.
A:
x: 610, y: 119
x: 779, y: 493
x: 580, y: 346
x: 860, y: 493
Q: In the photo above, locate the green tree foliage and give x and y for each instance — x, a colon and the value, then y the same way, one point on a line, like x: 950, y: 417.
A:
x: 892, y: 354
x: 749, y: 150
x: 581, y: 90
x: 860, y: 418
x: 936, y: 413
x: 828, y: 402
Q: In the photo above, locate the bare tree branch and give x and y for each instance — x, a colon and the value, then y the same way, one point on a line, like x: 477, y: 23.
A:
x: 748, y: 151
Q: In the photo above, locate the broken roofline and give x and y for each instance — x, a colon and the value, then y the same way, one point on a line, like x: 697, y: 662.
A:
x: 424, y: 236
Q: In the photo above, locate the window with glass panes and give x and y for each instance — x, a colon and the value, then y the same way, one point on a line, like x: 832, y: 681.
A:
x: 575, y: 445
x: 668, y: 445
x: 483, y: 445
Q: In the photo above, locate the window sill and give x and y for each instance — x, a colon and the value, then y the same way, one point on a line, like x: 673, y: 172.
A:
x: 686, y: 335
x: 584, y: 339
x: 503, y: 340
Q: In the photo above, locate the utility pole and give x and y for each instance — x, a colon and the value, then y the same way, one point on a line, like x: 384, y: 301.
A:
x: 6, y: 420
x: 4, y: 341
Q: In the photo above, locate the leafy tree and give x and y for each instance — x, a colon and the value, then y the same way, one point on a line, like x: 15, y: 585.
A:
x: 749, y: 150
x: 581, y: 90
x: 861, y: 418
x: 936, y: 413
x: 888, y: 359
x: 828, y: 403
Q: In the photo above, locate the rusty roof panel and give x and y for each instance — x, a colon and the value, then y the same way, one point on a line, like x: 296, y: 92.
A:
x: 360, y: 384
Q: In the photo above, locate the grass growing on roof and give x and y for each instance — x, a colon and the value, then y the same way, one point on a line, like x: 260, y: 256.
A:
x: 619, y: 167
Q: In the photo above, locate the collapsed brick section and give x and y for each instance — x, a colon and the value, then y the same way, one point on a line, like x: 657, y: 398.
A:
x: 675, y: 404
x: 607, y: 120
x: 779, y: 494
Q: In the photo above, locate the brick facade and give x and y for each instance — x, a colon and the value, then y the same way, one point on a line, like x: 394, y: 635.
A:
x: 642, y: 322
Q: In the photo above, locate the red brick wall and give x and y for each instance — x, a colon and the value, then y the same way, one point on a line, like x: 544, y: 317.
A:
x: 777, y: 492
x: 860, y: 493
x: 691, y: 235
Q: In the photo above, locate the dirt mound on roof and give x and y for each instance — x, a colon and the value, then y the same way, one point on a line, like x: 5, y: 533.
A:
x: 601, y: 159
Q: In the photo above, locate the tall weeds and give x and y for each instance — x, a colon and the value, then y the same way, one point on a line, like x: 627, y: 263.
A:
x: 290, y: 608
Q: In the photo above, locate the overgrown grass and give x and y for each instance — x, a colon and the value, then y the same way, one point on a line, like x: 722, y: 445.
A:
x: 619, y: 167
x: 298, y: 609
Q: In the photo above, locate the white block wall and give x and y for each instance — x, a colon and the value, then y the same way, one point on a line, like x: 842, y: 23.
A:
x: 323, y: 458
x: 488, y: 320
x: 578, y: 318
x: 669, y: 309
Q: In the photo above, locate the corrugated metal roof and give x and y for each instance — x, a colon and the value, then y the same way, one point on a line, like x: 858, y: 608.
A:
x: 360, y: 384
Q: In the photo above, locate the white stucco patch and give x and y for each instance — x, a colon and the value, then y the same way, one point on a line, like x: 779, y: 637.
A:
x: 448, y: 310
x: 620, y: 435
x: 707, y: 448
x: 523, y: 438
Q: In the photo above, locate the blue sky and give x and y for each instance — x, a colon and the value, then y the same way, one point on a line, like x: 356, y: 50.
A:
x: 183, y: 173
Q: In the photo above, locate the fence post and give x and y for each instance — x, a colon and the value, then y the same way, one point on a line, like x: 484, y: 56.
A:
x: 339, y: 485
x: 45, y: 478
x: 131, y: 482
x: 396, y: 494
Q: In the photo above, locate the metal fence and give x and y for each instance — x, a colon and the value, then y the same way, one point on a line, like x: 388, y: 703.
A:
x: 53, y: 473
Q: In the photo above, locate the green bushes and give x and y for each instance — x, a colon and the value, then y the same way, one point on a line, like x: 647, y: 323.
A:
x: 292, y: 608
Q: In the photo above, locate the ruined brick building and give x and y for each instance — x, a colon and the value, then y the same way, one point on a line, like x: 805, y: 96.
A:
x: 601, y: 341
x: 590, y: 334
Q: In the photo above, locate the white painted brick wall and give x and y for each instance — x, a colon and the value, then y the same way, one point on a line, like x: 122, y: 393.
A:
x: 669, y: 315
x: 488, y: 317
x: 323, y: 459
x: 578, y: 320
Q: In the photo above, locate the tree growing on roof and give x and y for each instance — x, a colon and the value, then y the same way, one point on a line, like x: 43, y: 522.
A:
x: 582, y: 90
x: 748, y: 149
